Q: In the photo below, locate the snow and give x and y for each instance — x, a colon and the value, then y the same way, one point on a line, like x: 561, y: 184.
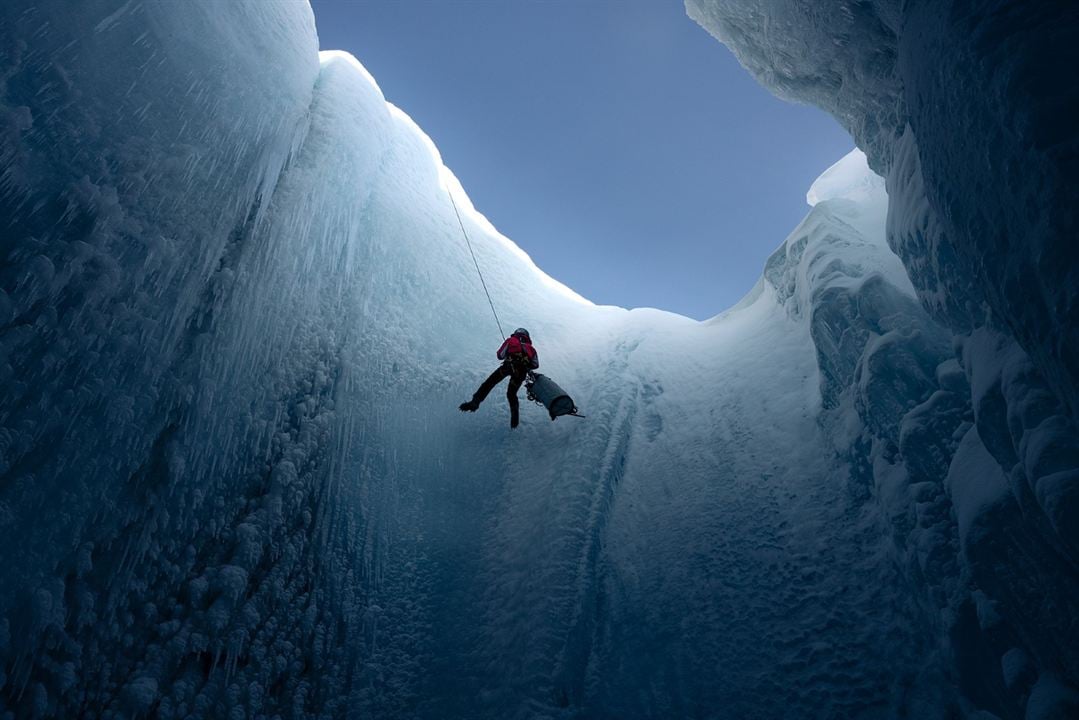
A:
x: 850, y: 178
x: 239, y: 314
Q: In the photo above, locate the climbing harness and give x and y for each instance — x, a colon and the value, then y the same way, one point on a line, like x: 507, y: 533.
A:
x: 476, y: 263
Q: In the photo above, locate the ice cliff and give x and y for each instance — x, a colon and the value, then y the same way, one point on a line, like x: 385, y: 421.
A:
x: 964, y: 108
x: 237, y: 315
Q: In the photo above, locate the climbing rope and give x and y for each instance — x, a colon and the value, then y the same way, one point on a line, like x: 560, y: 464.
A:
x: 476, y: 263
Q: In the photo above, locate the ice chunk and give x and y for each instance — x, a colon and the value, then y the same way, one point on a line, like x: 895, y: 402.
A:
x: 975, y: 482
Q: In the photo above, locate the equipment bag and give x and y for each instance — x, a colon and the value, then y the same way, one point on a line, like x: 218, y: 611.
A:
x: 546, y: 391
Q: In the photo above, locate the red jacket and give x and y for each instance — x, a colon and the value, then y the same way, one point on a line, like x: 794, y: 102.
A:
x: 516, y: 349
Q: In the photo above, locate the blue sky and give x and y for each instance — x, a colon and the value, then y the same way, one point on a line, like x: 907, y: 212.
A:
x: 615, y: 141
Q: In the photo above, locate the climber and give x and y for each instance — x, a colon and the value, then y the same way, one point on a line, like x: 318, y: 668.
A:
x: 518, y: 359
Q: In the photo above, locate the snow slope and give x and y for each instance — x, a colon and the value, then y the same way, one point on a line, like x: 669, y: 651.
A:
x: 237, y: 317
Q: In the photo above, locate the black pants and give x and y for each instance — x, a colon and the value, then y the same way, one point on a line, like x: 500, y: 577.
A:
x: 517, y: 374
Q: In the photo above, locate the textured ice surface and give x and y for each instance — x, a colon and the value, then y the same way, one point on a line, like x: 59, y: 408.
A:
x: 961, y: 106
x: 237, y: 318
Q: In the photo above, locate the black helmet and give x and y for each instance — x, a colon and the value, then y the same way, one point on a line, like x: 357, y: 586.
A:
x: 523, y: 332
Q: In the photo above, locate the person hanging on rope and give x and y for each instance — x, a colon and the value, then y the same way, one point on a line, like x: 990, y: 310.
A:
x: 518, y: 359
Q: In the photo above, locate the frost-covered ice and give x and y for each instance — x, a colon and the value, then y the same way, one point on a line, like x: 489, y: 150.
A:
x: 961, y: 107
x: 237, y: 317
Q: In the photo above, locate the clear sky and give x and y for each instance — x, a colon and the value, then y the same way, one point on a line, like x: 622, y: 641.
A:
x: 615, y: 141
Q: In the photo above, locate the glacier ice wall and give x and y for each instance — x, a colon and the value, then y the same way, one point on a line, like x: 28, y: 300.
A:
x: 962, y: 107
x: 236, y: 318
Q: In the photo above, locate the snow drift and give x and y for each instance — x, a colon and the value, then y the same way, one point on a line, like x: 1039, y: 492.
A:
x: 237, y: 317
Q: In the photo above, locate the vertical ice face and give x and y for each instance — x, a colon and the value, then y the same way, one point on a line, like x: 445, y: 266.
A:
x: 141, y: 143
x: 960, y: 106
x: 136, y: 160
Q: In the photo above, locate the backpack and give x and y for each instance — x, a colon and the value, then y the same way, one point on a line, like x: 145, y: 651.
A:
x: 514, y: 346
x: 520, y: 352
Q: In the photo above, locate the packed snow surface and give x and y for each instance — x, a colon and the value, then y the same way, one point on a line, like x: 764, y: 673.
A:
x: 237, y: 317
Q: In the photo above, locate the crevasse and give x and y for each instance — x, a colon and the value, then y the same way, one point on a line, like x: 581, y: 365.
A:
x: 237, y: 317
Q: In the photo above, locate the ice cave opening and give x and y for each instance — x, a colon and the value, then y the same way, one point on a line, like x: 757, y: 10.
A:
x: 236, y: 319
